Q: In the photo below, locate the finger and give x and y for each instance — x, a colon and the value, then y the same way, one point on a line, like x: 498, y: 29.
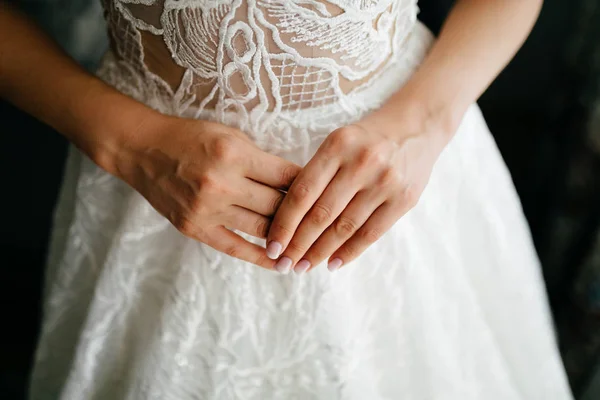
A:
x: 248, y: 222
x: 322, y: 214
x: 228, y: 242
x: 380, y: 222
x: 343, y: 228
x: 242, y: 135
x: 304, y: 192
x: 259, y: 198
x: 271, y: 170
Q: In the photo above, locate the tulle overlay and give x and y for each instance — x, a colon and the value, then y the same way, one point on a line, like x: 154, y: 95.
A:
x: 448, y: 304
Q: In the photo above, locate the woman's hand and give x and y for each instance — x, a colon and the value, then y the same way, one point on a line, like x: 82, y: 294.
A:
x: 361, y: 180
x: 202, y: 176
x: 206, y: 177
x: 364, y: 177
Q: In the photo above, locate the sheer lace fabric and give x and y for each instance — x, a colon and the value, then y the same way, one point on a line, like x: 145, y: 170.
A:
x: 447, y: 305
x: 256, y: 61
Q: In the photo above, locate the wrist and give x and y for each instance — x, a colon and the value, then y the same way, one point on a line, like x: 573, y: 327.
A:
x: 107, y: 123
x: 406, y: 116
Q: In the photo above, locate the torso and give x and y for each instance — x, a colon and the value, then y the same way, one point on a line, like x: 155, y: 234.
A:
x: 266, y: 55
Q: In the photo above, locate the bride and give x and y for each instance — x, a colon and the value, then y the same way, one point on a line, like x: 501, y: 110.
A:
x: 285, y: 199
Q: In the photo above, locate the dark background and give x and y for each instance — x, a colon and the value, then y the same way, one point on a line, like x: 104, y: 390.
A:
x: 539, y: 109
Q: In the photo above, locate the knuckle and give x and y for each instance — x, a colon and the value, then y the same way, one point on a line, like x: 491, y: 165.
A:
x: 371, y: 235
x: 380, y: 159
x: 296, y: 247
x: 363, y: 158
x: 411, y: 196
x: 345, y: 226
x: 299, y: 192
x: 262, y: 261
x: 370, y: 157
x: 342, y: 138
x: 389, y: 176
x: 225, y: 149
x: 274, y: 204
x: 208, y: 183
x: 320, y: 214
x: 211, y: 186
x: 377, y: 156
x: 279, y: 230
x: 289, y: 173
x: 350, y: 251
x: 262, y: 227
x: 316, y: 255
x: 233, y: 251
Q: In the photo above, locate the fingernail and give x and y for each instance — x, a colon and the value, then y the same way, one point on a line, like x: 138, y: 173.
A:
x: 302, y: 266
x: 284, y: 265
x: 334, y: 264
x: 273, y: 250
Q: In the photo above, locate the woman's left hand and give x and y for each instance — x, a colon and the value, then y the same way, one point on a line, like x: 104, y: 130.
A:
x: 361, y: 180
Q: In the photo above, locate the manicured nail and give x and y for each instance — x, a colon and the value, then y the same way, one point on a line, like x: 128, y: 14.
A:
x: 302, y: 266
x: 334, y: 264
x: 273, y: 250
x: 284, y: 265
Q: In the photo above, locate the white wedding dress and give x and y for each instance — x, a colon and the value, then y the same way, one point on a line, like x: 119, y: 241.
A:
x: 449, y: 304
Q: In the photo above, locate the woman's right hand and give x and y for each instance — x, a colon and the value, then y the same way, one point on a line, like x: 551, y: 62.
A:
x: 202, y: 176
x: 206, y: 177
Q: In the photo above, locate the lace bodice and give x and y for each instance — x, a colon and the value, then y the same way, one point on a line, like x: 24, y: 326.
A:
x: 255, y: 58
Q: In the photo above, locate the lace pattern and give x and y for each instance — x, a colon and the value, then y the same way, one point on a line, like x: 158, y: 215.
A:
x: 258, y: 62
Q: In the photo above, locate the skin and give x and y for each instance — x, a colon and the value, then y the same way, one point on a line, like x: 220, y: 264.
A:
x: 204, y: 178
x: 364, y: 177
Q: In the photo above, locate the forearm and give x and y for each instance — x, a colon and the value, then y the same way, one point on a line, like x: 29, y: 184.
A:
x: 38, y: 77
x: 477, y: 40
